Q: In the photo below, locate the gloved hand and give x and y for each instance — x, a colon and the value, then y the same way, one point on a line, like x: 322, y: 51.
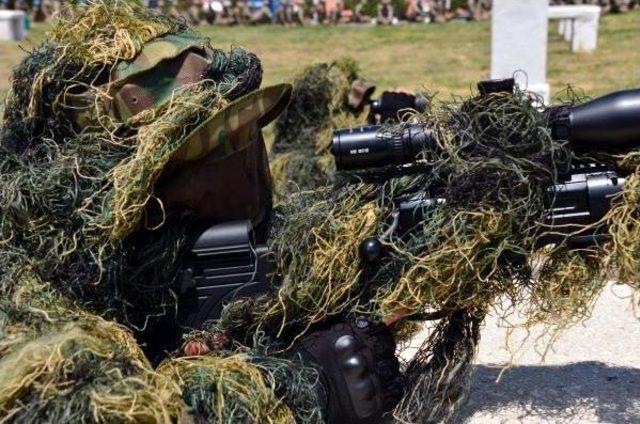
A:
x: 386, y: 108
x: 360, y: 372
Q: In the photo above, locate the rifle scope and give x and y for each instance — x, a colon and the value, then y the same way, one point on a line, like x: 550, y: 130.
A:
x: 607, y: 123
x: 610, y: 122
x: 375, y: 146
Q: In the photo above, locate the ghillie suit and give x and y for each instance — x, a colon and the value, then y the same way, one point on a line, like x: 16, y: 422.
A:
x: 87, y: 242
x: 493, y: 161
x: 325, y: 97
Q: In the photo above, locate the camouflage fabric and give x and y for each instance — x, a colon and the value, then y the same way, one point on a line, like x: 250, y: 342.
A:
x: 120, y: 97
x: 166, y: 47
x: 153, y: 88
x: 152, y: 77
x: 235, y: 126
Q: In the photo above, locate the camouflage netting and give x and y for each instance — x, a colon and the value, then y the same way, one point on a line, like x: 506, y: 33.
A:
x: 300, y: 157
x: 493, y: 163
x: 243, y: 386
x: 62, y: 364
x: 85, y: 243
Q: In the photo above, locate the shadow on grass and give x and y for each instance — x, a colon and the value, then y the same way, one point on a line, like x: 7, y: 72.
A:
x: 556, y: 393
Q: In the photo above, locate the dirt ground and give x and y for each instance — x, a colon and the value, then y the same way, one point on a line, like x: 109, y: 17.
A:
x: 592, y: 374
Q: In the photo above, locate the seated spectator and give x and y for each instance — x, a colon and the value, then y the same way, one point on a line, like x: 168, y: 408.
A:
x: 45, y: 9
x: 385, y: 13
x: 290, y: 12
x: 188, y: 10
x: 359, y: 16
x: 462, y: 14
x: 274, y: 5
x: 441, y: 11
x: 317, y: 11
x: 213, y: 11
x: 298, y: 11
x: 481, y: 9
x: 333, y: 10
x: 37, y: 14
x: 260, y: 12
x: 242, y: 12
x: 346, y: 16
x: 419, y: 11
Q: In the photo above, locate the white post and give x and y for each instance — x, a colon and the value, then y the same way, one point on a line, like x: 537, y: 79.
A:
x: 519, y: 43
x: 12, y: 25
x: 562, y: 23
x: 569, y: 29
x: 578, y: 24
x: 585, y: 37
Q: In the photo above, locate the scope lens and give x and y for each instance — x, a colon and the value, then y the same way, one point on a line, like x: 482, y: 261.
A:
x: 607, y: 123
x: 375, y: 146
x: 610, y: 122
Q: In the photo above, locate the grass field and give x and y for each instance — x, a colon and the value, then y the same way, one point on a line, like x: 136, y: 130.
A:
x: 448, y: 58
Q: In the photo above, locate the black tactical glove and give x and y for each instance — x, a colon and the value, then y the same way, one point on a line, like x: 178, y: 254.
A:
x: 360, y: 372
x: 386, y: 108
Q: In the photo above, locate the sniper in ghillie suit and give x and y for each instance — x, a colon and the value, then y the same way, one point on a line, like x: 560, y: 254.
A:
x: 151, y: 272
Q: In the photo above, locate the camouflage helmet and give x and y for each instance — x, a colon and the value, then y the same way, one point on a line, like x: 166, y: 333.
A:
x: 165, y: 65
x: 169, y: 64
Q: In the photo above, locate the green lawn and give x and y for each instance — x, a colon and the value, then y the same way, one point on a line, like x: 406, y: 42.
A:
x: 449, y: 58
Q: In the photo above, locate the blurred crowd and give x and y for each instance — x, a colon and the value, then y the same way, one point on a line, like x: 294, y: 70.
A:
x: 607, y: 5
x: 301, y: 12
x: 313, y: 12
